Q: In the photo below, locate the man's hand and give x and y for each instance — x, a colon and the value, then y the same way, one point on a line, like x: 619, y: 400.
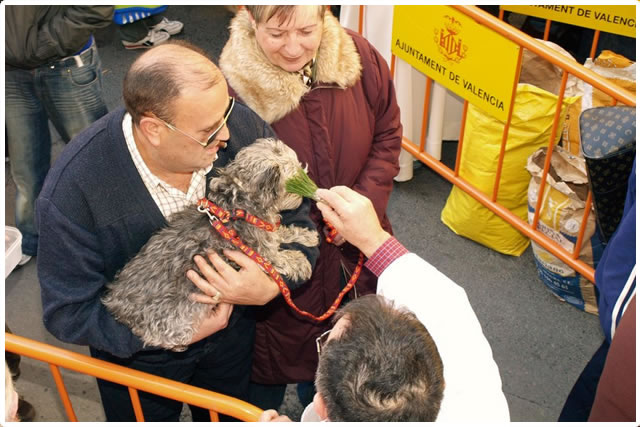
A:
x: 217, y: 320
x: 248, y: 286
x: 271, y: 416
x: 354, y: 217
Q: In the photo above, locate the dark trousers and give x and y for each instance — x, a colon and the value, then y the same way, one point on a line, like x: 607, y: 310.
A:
x: 271, y: 396
x: 220, y: 363
x: 66, y: 92
x: 580, y: 400
x: 267, y: 396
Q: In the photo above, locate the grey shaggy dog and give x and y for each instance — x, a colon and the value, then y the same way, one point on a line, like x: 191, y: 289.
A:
x: 151, y: 293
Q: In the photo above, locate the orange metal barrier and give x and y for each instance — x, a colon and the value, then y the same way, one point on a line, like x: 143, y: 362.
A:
x: 131, y: 378
x: 489, y: 200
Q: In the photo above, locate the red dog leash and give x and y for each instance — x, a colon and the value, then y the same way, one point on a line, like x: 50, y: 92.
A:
x: 218, y: 217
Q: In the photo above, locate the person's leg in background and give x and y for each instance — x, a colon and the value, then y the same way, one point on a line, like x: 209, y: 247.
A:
x: 306, y: 390
x: 580, y: 400
x: 267, y: 396
x: 69, y: 93
x: 72, y: 94
x: 29, y: 142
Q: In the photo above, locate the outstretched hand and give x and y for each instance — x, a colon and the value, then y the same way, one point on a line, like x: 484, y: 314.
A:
x: 353, y: 216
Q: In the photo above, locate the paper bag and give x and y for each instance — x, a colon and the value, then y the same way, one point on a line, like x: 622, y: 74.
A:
x: 561, y: 213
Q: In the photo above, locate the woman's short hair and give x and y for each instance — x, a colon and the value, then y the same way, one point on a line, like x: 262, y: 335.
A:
x: 262, y: 14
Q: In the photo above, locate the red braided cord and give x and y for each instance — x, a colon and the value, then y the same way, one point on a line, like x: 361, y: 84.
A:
x: 232, y: 236
x: 224, y: 216
x: 332, y: 232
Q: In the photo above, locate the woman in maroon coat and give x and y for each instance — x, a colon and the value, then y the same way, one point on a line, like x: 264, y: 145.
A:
x: 328, y: 94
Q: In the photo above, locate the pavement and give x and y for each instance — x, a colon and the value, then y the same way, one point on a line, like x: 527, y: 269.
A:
x: 540, y: 343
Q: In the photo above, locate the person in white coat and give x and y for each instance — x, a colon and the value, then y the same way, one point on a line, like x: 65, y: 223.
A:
x: 472, y: 388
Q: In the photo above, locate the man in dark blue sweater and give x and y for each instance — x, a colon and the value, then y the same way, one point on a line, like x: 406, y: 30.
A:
x: 118, y: 182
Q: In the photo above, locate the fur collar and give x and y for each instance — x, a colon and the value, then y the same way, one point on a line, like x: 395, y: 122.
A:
x: 269, y: 90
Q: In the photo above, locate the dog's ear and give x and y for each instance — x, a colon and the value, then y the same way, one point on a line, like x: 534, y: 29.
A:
x: 269, y: 182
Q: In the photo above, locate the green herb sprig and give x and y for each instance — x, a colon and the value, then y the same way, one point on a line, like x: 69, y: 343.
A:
x: 302, y: 185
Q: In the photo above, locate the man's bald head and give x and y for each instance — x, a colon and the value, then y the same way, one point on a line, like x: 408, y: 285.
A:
x: 159, y: 75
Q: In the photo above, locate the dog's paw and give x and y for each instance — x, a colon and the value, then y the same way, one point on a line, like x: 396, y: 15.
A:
x: 293, y: 264
x: 294, y: 234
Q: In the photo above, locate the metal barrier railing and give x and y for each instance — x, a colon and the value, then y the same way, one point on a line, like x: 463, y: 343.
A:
x: 547, y: 31
x: 490, y: 201
x: 131, y: 378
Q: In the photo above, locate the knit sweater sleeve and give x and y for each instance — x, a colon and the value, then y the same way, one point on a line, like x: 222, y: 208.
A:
x: 71, y: 272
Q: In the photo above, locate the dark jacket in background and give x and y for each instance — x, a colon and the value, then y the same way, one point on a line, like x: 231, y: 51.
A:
x: 615, y: 399
x: 37, y: 35
x: 347, y: 129
x: 616, y: 265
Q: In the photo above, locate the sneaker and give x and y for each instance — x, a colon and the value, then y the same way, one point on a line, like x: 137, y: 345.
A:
x: 24, y: 259
x: 153, y: 38
x: 171, y: 27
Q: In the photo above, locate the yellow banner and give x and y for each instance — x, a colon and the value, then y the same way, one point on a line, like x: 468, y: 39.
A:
x: 465, y: 57
x: 620, y: 19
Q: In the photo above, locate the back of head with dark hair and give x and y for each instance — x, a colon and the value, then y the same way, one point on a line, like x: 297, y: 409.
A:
x: 384, y: 367
x: 157, y: 77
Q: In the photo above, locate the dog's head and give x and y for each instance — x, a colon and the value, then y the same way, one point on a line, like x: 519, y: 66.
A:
x: 260, y: 171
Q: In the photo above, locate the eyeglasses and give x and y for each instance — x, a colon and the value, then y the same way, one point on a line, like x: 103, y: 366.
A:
x: 212, y: 137
x: 321, y: 341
